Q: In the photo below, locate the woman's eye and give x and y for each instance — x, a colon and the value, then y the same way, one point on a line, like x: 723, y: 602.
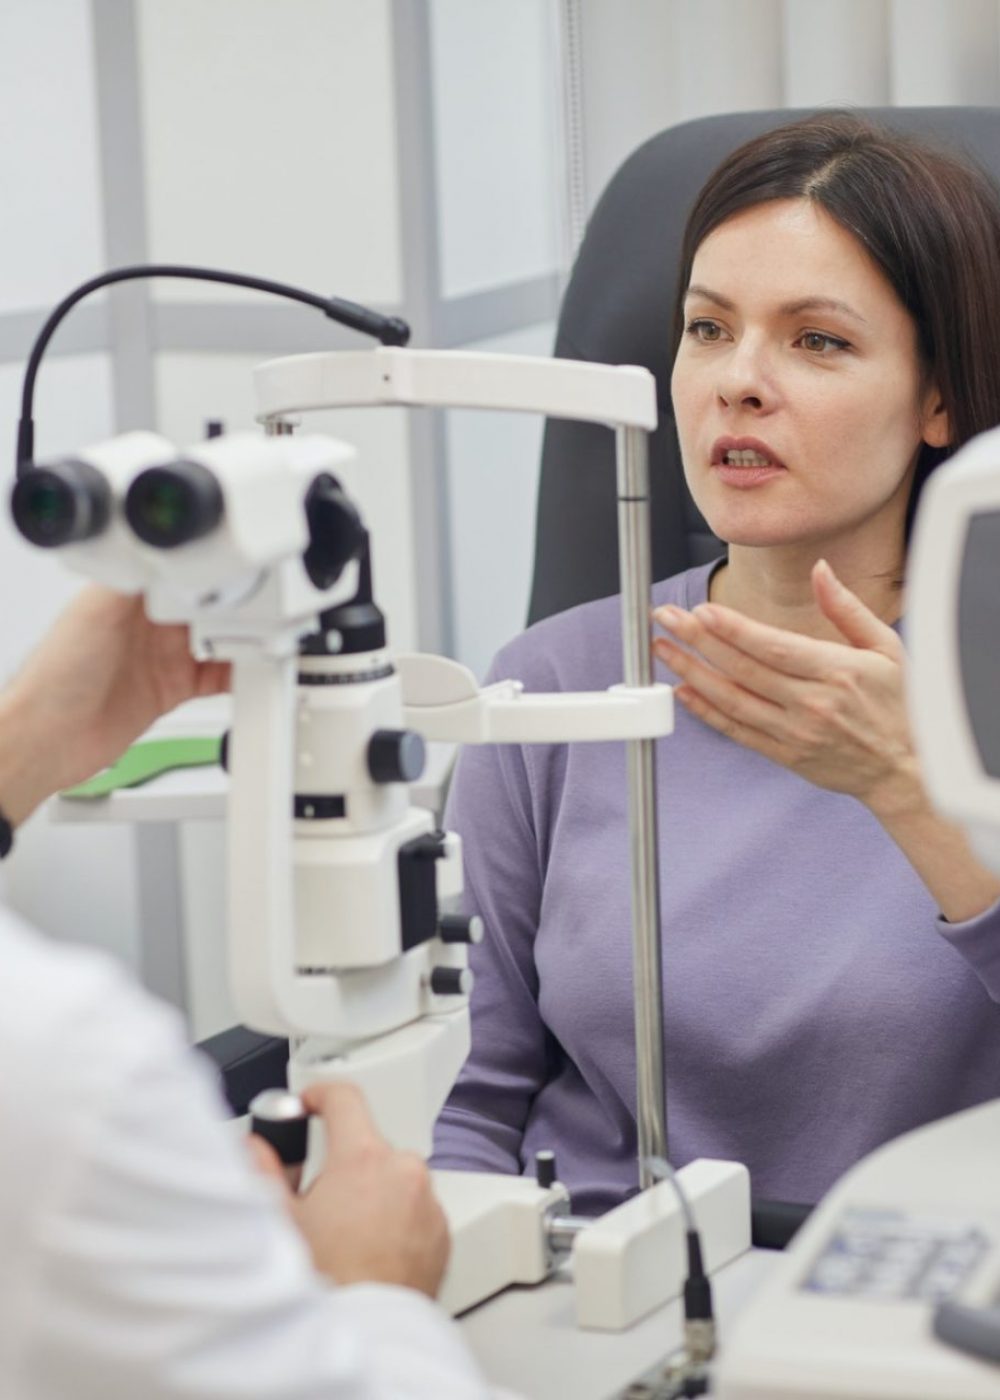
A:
x: 705, y: 331
x: 820, y: 343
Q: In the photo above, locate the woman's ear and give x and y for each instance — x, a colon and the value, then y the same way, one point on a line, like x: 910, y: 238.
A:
x: 936, y: 424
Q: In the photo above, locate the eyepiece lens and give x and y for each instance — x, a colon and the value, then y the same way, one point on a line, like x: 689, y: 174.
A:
x: 164, y: 507
x: 48, y: 504
x: 65, y: 503
x: 174, y: 505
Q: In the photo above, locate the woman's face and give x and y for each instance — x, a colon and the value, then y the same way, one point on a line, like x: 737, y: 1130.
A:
x: 797, y: 388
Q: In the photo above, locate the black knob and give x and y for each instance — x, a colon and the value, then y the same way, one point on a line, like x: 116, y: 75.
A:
x: 451, y: 981
x: 460, y: 928
x: 224, y: 752
x: 545, y: 1168
x: 336, y: 531
x: 396, y: 756
x: 281, y: 1119
x: 429, y: 847
x: 214, y: 427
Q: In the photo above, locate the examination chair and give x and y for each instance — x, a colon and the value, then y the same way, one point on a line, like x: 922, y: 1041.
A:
x: 617, y: 310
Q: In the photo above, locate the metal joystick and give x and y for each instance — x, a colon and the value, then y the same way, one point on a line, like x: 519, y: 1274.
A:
x: 281, y: 1118
x: 561, y: 1226
x: 460, y: 928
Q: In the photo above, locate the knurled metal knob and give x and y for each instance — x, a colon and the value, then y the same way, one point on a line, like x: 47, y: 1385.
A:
x: 282, y: 1119
x: 545, y: 1168
x: 460, y: 928
x: 451, y: 981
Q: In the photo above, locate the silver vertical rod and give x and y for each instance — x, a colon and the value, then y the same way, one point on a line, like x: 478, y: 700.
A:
x: 635, y: 574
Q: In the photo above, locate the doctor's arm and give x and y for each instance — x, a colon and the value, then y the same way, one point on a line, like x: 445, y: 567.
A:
x: 152, y: 1261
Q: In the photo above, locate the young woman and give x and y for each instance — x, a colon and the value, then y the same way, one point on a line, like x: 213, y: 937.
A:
x: 831, y: 947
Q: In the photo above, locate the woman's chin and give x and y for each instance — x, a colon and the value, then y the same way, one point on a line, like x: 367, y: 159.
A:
x: 754, y: 536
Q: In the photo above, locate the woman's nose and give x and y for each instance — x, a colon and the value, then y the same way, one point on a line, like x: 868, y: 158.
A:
x: 744, y: 382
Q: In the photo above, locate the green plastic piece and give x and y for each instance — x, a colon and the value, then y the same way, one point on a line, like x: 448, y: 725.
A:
x: 147, y: 760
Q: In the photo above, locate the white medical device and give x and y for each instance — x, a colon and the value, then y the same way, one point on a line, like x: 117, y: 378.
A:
x: 341, y: 930
x: 892, y: 1289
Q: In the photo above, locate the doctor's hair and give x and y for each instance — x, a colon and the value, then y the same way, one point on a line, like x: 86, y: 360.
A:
x: 930, y: 220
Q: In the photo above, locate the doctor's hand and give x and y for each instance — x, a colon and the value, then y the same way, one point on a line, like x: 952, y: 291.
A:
x: 834, y: 712
x: 370, y: 1216
x: 100, y: 677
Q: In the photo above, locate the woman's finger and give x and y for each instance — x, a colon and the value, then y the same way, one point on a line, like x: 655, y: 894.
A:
x: 788, y: 652
x: 750, y: 673
x: 855, y: 622
x: 725, y: 695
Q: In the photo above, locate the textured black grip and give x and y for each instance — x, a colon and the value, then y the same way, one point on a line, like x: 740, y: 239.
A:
x: 280, y: 1119
x: 287, y: 1138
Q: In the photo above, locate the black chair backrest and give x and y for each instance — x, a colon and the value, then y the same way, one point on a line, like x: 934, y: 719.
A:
x: 618, y: 309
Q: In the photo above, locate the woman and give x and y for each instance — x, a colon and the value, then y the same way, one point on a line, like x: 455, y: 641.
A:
x: 831, y: 947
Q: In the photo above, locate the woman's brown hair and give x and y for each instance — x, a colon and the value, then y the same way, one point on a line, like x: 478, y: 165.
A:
x: 930, y: 219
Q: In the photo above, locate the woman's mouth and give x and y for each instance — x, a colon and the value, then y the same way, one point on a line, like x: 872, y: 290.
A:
x: 743, y: 462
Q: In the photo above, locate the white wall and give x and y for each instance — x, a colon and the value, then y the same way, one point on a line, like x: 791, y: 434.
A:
x: 654, y: 63
x: 500, y: 212
x: 270, y: 143
x: 496, y: 118
x: 51, y: 233
x: 493, y: 461
x: 51, y: 236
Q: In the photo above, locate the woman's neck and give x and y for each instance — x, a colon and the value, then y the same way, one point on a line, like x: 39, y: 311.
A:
x: 772, y: 585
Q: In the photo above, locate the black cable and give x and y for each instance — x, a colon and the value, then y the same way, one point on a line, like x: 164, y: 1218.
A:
x: 697, y: 1290
x: 699, y: 1317
x: 390, y: 330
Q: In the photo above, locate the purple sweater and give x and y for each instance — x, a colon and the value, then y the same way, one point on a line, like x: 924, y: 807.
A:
x: 815, y: 1003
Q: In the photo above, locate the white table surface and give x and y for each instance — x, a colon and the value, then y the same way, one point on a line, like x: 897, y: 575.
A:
x: 527, y: 1341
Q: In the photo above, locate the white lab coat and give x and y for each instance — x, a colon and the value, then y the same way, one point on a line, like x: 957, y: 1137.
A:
x: 140, y: 1256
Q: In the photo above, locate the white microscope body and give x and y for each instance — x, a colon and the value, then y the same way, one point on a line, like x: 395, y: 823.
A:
x: 339, y: 930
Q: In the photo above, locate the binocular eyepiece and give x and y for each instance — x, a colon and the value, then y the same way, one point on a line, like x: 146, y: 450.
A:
x: 70, y: 502
x: 181, y: 501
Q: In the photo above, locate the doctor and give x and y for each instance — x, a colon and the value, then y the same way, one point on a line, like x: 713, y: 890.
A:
x: 142, y: 1254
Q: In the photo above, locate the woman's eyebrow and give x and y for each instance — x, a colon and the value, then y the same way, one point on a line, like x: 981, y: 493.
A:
x: 795, y: 308
x: 788, y: 308
x: 694, y: 290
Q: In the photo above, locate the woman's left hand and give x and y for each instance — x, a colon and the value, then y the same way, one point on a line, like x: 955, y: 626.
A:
x: 834, y: 712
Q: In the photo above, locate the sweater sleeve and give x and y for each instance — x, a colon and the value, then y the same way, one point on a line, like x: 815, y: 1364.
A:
x: 978, y: 941
x: 481, y: 1125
